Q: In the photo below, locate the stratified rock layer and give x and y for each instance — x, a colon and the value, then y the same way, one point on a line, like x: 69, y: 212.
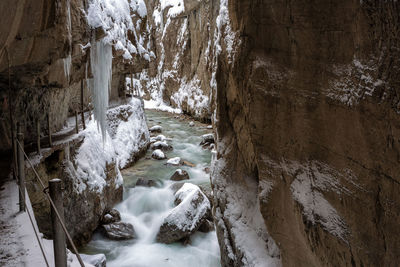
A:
x: 308, y: 130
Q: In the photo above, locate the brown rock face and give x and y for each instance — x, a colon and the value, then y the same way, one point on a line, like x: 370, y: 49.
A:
x: 308, y: 131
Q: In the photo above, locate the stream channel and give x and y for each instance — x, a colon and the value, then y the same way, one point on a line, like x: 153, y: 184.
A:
x: 146, y: 207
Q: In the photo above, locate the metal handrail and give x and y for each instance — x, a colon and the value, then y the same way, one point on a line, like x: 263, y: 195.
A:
x: 54, y: 208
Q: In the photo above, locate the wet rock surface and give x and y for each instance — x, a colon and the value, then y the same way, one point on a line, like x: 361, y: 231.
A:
x: 146, y: 182
x: 118, y: 231
x: 111, y: 217
x: 180, y: 175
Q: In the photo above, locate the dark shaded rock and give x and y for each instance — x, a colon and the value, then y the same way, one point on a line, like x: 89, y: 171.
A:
x: 111, y: 217
x: 118, y: 231
x: 180, y: 175
x: 207, y: 190
x: 207, y: 226
x: 207, y: 139
x: 146, y: 182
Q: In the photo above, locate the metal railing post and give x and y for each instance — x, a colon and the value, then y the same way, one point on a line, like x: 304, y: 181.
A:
x: 82, y: 109
x: 21, y: 169
x: 15, y: 149
x: 76, y: 122
x: 38, y: 135
x: 60, y: 254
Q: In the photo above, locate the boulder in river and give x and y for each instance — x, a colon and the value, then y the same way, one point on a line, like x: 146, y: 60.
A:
x: 158, y: 154
x: 145, y: 182
x: 97, y: 260
x: 156, y: 129
x: 118, y: 231
x: 191, y: 124
x: 174, y: 161
x: 180, y: 175
x: 111, y: 217
x: 161, y: 145
x: 207, y: 141
x: 191, y: 211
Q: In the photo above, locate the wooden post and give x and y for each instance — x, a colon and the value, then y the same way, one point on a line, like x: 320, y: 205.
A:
x: 38, y: 135
x: 48, y: 126
x: 15, y: 149
x: 82, y: 111
x: 60, y: 252
x: 131, y: 85
x: 76, y: 122
x: 21, y: 169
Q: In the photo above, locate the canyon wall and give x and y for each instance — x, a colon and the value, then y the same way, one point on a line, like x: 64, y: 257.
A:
x: 180, y: 73
x: 308, y: 133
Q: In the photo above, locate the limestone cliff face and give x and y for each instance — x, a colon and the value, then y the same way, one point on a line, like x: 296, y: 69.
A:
x: 180, y: 73
x: 308, y: 133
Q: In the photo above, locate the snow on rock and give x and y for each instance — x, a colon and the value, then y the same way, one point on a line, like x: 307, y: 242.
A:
x: 191, y: 211
x: 130, y: 135
x: 354, y: 82
x: 97, y: 260
x: 156, y: 129
x: 158, y: 154
x: 240, y: 223
x: 174, y: 161
x: 161, y: 145
x: 114, y: 17
x: 127, y: 138
x: 159, y: 105
x: 191, y: 124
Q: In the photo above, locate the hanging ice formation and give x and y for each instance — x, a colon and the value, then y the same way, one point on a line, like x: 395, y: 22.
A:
x: 101, y: 66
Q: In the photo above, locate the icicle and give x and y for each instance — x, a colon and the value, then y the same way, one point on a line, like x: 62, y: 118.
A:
x: 67, y: 66
x: 101, y: 65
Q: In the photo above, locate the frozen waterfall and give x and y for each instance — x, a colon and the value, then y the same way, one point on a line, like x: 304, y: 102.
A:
x: 101, y: 66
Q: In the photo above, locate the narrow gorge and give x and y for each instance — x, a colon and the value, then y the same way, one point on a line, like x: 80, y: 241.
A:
x: 201, y: 132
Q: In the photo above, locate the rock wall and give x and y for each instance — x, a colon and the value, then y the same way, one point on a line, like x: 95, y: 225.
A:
x: 90, y: 170
x: 307, y: 118
x: 180, y: 74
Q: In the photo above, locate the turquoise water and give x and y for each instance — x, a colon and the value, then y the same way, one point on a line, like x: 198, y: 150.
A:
x: 146, y: 207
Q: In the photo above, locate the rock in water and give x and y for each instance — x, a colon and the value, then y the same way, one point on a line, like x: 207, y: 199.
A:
x: 111, y: 217
x: 158, y: 154
x: 191, y: 211
x: 118, y: 231
x: 98, y: 260
x: 207, y: 139
x: 156, y: 129
x: 180, y: 175
x: 207, y: 226
x: 174, y: 161
x: 145, y: 182
x: 191, y: 124
x: 161, y: 145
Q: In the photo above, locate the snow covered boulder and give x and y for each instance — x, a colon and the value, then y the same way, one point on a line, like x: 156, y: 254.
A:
x: 158, y: 154
x: 191, y: 124
x: 190, y: 213
x: 174, y: 161
x: 160, y: 137
x: 161, y: 145
x: 156, y: 129
x: 180, y: 175
x: 118, y: 231
x: 98, y: 260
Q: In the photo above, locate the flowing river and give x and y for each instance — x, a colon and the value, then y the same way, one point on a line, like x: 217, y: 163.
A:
x: 146, y: 207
